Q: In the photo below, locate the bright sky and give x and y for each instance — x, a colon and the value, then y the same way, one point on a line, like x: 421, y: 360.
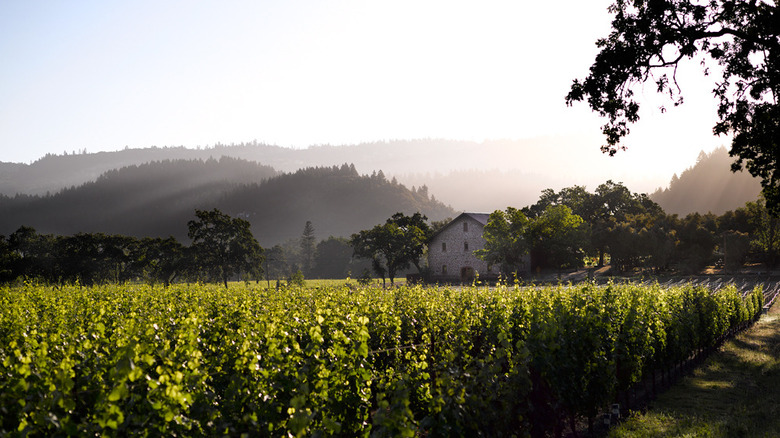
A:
x: 104, y: 75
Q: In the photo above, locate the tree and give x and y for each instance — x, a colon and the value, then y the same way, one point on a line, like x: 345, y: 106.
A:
x: 308, y: 248
x: 612, y: 204
x: 651, y: 38
x: 8, y: 261
x: 556, y: 238
x: 696, y: 243
x: 659, y: 241
x: 276, y: 265
x: 32, y: 254
x: 394, y: 245
x: 766, y: 234
x: 224, y: 246
x: 160, y: 260
x: 416, y: 233
x: 383, y: 246
x: 505, y: 239
x: 736, y: 246
x: 334, y: 259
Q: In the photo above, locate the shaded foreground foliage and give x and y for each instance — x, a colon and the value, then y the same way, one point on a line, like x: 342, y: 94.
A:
x: 206, y: 361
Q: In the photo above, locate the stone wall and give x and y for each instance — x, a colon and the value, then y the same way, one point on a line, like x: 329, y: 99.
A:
x: 448, y: 248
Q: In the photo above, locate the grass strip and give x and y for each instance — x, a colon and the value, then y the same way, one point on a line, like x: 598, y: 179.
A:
x: 735, y: 393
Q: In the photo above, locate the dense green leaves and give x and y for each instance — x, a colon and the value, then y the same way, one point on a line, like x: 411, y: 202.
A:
x: 394, y: 245
x: 347, y: 361
x: 505, y: 242
x: 736, y: 41
x: 224, y: 246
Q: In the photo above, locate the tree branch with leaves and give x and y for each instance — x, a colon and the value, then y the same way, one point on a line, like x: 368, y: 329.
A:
x: 649, y: 41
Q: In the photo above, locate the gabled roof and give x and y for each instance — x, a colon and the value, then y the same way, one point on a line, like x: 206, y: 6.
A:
x: 482, y: 218
x: 479, y: 217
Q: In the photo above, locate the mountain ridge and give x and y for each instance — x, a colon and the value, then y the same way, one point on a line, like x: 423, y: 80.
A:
x: 708, y: 187
x: 157, y: 199
x: 520, y: 169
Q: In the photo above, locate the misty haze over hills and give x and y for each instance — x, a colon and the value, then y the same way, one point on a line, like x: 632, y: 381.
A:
x: 154, y: 191
x: 158, y: 199
x: 469, y: 176
x: 708, y: 186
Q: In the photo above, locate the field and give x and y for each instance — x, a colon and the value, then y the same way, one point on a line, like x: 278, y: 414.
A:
x: 338, y: 359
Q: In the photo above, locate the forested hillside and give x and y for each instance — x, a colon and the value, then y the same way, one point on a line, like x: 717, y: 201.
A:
x: 337, y: 200
x: 465, y: 174
x: 54, y: 172
x: 159, y: 198
x: 708, y: 186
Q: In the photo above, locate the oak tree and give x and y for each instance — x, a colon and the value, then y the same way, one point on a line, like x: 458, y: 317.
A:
x: 506, y: 244
x: 224, y: 245
x: 739, y: 38
x: 394, y: 245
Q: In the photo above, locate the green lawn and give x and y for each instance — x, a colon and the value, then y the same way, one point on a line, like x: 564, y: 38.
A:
x: 735, y: 393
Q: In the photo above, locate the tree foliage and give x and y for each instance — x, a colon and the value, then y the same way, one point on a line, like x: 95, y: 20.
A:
x: 505, y: 240
x: 651, y: 38
x: 308, y: 248
x: 394, y: 245
x: 224, y: 246
x: 557, y: 237
x: 766, y: 239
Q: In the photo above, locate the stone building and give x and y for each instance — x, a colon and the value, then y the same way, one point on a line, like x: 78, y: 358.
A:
x: 451, y: 250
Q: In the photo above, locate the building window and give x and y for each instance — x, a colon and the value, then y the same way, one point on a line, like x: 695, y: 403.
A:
x: 465, y: 246
x: 444, y: 269
x: 444, y: 247
x: 465, y: 226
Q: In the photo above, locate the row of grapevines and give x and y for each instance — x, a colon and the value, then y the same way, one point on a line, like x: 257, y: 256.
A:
x: 205, y: 361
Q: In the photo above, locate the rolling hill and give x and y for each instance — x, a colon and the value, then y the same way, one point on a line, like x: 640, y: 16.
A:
x: 474, y: 176
x: 159, y: 198
x: 708, y: 186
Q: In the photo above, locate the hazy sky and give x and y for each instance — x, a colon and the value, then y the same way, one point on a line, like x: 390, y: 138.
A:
x: 104, y: 75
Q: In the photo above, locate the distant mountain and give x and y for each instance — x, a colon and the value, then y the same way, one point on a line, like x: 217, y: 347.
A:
x: 159, y: 198
x: 708, y: 186
x: 54, y: 172
x: 455, y: 171
x: 484, y: 190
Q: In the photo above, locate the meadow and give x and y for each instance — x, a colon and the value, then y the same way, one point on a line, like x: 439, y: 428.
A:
x: 343, y: 359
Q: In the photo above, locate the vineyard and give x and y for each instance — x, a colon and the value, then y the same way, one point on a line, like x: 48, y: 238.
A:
x: 342, y: 360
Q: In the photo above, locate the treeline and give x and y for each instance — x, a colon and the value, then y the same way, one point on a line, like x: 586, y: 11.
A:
x: 572, y: 227
x: 98, y: 258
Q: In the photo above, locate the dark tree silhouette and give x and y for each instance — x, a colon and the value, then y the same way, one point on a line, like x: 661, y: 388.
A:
x: 649, y: 40
x: 308, y: 248
x: 224, y: 246
x: 394, y: 245
x: 160, y: 260
x: 276, y: 266
x: 7, y: 261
